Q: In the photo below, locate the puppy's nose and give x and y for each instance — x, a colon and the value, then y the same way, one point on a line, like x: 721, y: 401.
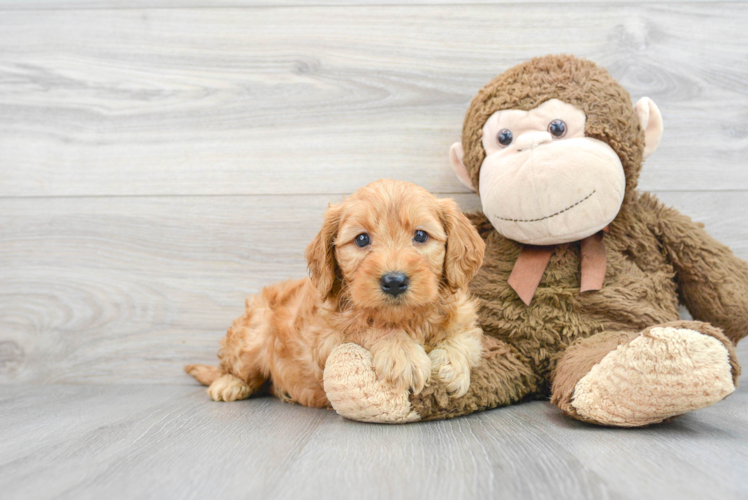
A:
x: 394, y: 283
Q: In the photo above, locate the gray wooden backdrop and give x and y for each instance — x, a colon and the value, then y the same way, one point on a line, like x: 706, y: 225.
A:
x: 162, y: 159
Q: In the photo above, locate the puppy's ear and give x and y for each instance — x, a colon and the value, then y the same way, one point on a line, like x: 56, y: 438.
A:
x: 465, y: 247
x: 320, y: 253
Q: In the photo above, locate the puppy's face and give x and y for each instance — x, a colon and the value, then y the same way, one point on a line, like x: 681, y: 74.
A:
x: 394, y: 246
x: 390, y: 248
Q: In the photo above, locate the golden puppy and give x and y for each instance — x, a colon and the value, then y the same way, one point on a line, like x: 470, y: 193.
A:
x: 388, y: 271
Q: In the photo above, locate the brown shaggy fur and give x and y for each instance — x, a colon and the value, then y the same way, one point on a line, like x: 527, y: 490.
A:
x: 656, y: 258
x: 288, y: 331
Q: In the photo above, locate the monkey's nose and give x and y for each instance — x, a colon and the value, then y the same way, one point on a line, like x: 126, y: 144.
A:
x: 533, y: 139
x: 394, y: 283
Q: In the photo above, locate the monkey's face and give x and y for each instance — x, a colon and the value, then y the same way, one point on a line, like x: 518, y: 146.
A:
x: 543, y: 181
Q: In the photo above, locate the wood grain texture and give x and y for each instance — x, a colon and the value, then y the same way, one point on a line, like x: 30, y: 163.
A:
x: 182, y: 4
x: 324, y: 99
x: 121, y: 289
x: 172, y: 442
x: 129, y: 289
x: 162, y: 159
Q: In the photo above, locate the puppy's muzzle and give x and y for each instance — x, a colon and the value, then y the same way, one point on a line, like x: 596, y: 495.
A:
x: 394, y: 283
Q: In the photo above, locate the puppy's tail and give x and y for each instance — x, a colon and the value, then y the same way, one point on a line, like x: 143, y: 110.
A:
x: 204, y: 374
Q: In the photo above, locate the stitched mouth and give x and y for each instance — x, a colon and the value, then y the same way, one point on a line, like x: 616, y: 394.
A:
x: 548, y: 216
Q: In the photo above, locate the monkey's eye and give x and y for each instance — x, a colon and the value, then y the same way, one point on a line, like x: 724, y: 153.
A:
x: 504, y: 137
x: 557, y: 128
x: 362, y: 240
x: 421, y: 236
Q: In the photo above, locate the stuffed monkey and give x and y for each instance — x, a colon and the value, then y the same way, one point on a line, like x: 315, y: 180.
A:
x: 583, y: 274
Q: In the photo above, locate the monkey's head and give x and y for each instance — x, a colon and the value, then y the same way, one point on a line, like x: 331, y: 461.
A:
x: 554, y: 147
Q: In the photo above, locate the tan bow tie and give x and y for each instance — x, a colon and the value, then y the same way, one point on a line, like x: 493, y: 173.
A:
x: 532, y: 261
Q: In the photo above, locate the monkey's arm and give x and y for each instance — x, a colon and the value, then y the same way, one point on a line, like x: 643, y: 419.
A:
x: 712, y: 281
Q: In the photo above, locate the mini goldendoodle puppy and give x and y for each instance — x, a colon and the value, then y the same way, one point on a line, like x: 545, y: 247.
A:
x: 388, y: 271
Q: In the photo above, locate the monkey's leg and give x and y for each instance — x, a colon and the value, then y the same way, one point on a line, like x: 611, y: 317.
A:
x: 501, y: 377
x: 630, y: 379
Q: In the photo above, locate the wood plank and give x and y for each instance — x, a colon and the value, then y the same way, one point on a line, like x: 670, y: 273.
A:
x: 123, y: 290
x: 94, y: 437
x: 322, y: 100
x: 115, y: 290
x: 173, y: 442
x: 679, y: 451
x: 183, y: 4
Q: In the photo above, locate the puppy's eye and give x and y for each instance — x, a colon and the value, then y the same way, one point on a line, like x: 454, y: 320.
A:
x: 362, y: 240
x: 421, y: 236
x: 504, y: 137
x: 557, y: 128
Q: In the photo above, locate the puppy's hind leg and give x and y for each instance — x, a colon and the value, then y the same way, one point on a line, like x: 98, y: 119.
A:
x: 229, y: 388
x: 243, y: 356
x: 205, y: 374
x: 223, y: 386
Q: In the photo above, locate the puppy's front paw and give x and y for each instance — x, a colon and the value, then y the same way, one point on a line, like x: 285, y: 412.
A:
x: 228, y: 388
x: 452, y: 369
x: 404, y: 365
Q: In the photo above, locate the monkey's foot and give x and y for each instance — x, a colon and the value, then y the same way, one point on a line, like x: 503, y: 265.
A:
x: 355, y: 391
x: 664, y: 372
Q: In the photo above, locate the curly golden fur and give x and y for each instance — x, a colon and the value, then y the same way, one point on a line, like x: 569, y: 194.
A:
x: 287, y: 331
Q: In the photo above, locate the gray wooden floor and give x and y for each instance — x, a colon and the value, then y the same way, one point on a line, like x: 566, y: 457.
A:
x: 162, y: 159
x: 137, y: 441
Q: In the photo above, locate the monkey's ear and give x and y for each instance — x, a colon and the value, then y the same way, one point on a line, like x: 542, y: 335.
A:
x: 455, y: 158
x: 650, y: 120
x: 320, y: 253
